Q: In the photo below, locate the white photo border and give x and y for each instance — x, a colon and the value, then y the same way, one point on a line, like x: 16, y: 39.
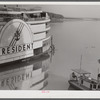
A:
x: 48, y: 93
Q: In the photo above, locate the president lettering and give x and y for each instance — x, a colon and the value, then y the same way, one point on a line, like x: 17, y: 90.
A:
x: 17, y: 48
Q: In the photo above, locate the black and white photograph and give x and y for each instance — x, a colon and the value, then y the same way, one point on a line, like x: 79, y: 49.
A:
x: 49, y: 47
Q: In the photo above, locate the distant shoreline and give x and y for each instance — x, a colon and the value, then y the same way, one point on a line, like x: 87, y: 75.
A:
x: 58, y: 18
x: 54, y: 20
x: 83, y: 19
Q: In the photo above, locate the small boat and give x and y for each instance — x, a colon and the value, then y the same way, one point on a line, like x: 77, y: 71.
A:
x: 81, y: 80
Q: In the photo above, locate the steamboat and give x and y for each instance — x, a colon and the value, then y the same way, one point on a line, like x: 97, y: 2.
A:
x: 24, y: 33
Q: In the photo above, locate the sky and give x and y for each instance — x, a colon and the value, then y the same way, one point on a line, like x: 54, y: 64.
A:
x: 74, y: 10
x: 90, y: 11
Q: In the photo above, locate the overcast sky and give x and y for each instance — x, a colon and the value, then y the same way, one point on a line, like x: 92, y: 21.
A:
x: 74, y: 10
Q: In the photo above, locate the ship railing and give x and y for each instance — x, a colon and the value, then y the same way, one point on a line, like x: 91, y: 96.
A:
x: 6, y: 19
x: 36, y: 19
x: 88, y: 79
x: 25, y: 16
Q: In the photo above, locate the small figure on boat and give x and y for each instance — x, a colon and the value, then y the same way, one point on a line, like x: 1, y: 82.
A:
x: 98, y: 77
x: 24, y: 17
x: 73, y: 76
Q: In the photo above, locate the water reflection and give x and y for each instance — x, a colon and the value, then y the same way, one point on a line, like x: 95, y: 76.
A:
x: 31, y: 74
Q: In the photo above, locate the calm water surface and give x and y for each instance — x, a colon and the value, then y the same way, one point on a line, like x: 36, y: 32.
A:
x: 73, y: 39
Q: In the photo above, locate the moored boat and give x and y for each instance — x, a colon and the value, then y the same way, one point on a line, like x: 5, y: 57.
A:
x: 81, y: 80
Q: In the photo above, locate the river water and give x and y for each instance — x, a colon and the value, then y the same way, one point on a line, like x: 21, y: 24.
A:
x: 73, y: 39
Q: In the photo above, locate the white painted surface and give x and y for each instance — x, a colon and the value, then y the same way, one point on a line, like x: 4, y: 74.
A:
x: 39, y: 36
x: 16, y: 55
x: 21, y: 55
x: 37, y: 44
x: 6, y: 36
x: 37, y: 28
x: 26, y: 37
x: 11, y: 28
x: 47, y: 38
x: 38, y: 22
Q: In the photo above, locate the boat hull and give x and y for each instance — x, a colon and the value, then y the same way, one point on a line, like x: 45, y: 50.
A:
x: 77, y: 86
x: 26, y: 59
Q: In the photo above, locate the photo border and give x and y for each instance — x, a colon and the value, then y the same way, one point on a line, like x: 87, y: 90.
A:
x: 30, y: 94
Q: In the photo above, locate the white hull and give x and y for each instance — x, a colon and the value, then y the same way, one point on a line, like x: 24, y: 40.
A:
x: 21, y: 39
